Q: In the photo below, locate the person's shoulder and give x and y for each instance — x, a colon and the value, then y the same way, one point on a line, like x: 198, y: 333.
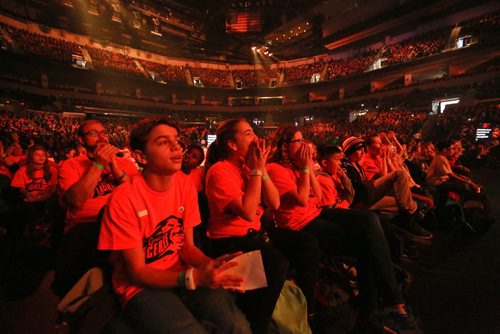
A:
x: 220, y: 167
x: 74, y: 162
x: 128, y: 188
x: 275, y: 166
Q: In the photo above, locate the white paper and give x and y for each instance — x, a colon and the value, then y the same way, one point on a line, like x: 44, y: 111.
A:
x: 251, y: 269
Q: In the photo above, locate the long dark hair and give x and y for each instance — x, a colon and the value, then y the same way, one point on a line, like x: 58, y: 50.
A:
x: 30, y: 166
x: 281, y: 136
x: 225, y: 132
x: 219, y: 150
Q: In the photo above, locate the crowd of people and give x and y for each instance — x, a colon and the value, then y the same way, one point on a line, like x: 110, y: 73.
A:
x: 137, y: 189
x: 211, y: 77
x: 405, y: 121
x: 55, y: 49
x: 114, y: 61
x: 255, y: 78
x: 303, y: 73
x: 417, y: 47
x: 433, y: 42
x: 169, y: 73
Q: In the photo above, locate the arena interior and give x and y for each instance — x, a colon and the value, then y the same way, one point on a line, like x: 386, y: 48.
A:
x: 364, y: 133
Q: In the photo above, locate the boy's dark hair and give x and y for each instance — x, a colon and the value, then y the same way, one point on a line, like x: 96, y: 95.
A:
x: 443, y: 145
x: 140, y: 131
x: 369, y: 139
x: 199, y: 149
x: 326, y: 150
x: 84, y: 124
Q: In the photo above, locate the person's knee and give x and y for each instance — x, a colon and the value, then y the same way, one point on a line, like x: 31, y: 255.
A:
x: 400, y: 175
x: 239, y: 324
x: 275, y: 262
x: 369, y: 220
x: 233, y: 320
x: 310, y: 248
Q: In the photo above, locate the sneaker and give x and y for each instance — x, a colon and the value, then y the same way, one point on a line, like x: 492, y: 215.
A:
x: 402, y: 324
x: 409, y: 225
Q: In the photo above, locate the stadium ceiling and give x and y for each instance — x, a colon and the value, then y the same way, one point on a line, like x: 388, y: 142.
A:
x: 238, y: 31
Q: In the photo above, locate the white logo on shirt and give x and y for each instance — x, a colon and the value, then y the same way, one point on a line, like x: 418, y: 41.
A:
x: 142, y: 213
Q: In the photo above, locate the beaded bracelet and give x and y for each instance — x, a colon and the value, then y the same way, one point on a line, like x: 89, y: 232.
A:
x: 306, y: 170
x: 265, y: 177
x: 98, y: 166
x: 181, y: 278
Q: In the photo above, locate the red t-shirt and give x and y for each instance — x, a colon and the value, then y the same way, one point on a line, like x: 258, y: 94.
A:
x: 72, y: 171
x: 330, y: 192
x: 195, y: 176
x: 4, y: 170
x: 290, y: 214
x: 137, y: 216
x: 35, y: 184
x: 225, y: 182
x: 371, y: 166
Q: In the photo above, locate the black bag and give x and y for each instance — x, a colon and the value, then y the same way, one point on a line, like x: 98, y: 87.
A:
x: 476, y: 210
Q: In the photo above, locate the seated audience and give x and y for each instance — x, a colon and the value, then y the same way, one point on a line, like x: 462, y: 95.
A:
x: 237, y: 187
x: 336, y: 187
x: 165, y: 283
x: 355, y: 233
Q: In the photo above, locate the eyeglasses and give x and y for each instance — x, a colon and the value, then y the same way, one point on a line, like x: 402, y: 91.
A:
x: 300, y: 140
x: 95, y: 133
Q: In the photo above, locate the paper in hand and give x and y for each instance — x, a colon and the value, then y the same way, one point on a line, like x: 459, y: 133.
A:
x: 251, y: 269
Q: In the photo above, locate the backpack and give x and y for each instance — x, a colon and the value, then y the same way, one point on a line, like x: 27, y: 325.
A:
x: 290, y: 312
x: 476, y: 211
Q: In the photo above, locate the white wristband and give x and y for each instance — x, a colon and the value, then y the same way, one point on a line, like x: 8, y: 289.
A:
x: 189, y: 280
x: 255, y: 172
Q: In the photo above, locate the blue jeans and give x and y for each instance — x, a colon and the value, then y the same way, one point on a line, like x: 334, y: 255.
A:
x: 177, y: 310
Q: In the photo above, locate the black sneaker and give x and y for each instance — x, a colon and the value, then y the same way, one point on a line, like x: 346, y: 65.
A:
x: 409, y: 225
x: 402, y: 324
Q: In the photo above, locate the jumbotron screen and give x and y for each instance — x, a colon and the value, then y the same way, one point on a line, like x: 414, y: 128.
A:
x: 244, y: 21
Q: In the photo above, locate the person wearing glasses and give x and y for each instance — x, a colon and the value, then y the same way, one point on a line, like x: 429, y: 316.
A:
x: 238, y: 188
x: 85, y: 183
x: 356, y: 233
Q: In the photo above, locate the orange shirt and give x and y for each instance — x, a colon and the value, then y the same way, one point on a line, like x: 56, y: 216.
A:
x: 225, y: 182
x: 330, y: 192
x: 138, y: 216
x: 371, y: 166
x: 72, y: 171
x: 5, y: 171
x: 35, y: 184
x: 195, y: 176
x: 290, y: 214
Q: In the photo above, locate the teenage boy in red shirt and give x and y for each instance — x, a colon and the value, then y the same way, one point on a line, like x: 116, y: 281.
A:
x: 336, y: 187
x: 166, y: 284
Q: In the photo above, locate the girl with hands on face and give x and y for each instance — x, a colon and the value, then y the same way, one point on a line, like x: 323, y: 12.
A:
x: 338, y: 231
x: 238, y: 188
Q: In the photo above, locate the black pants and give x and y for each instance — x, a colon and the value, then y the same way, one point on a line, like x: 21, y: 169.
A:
x: 303, y: 252
x: 77, y: 254
x: 358, y: 233
x: 258, y: 305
